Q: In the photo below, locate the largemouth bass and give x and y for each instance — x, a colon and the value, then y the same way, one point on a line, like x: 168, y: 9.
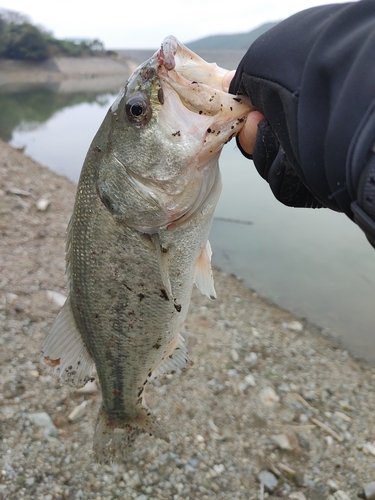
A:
x: 137, y: 239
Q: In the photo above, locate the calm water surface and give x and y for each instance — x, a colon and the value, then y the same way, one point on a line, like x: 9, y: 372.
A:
x: 314, y: 262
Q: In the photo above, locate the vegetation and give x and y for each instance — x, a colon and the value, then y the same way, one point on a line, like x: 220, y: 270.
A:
x: 20, y: 39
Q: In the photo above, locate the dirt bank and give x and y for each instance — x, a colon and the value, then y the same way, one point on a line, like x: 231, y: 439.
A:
x: 266, y: 394
x: 82, y: 72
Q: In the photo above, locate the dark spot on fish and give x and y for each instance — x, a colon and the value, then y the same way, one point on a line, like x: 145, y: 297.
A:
x: 231, y: 108
x: 161, y: 96
x: 218, y: 132
x: 130, y: 313
x: 149, y: 374
x: 232, y: 127
x: 78, y: 363
x: 141, y: 296
x: 240, y: 120
x: 70, y: 367
x: 163, y: 294
x: 128, y: 287
x: 145, y: 382
x: 163, y: 249
x: 209, y: 131
x: 96, y: 316
x: 140, y: 391
x: 97, y: 149
x: 194, y: 82
x: 178, y: 133
x: 237, y: 99
x: 200, y: 112
x: 116, y: 392
x: 156, y: 346
x: 177, y: 307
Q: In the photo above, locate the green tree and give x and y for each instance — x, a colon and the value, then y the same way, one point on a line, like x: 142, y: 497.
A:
x: 23, y: 41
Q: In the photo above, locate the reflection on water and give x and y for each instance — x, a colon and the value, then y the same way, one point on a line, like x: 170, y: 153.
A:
x: 313, y: 262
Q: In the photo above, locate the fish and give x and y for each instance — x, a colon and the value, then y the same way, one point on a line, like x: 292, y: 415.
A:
x: 137, y: 240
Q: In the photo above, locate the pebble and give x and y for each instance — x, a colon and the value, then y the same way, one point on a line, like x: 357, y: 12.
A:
x: 268, y: 396
x: 341, y: 495
x: 252, y: 358
x: 249, y: 380
x: 369, y: 490
x: 268, y: 479
x: 235, y: 356
x: 369, y: 448
x: 295, y: 326
x: 332, y: 485
x: 297, y: 495
x: 78, y: 412
x: 89, y: 388
x: 282, y: 441
x: 42, y: 419
x: 42, y: 204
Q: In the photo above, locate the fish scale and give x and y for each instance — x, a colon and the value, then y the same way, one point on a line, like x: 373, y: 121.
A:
x: 138, y: 238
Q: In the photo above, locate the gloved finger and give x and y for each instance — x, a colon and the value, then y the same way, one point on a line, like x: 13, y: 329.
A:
x: 249, y: 132
x: 266, y: 147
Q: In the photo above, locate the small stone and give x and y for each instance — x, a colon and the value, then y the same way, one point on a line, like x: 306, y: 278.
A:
x: 78, y: 412
x: 42, y: 204
x: 369, y: 490
x: 295, y: 326
x: 42, y: 419
x: 332, y: 485
x: 297, y: 495
x: 368, y: 448
x: 30, y: 481
x: 142, y: 497
x: 268, y: 396
x: 235, y: 356
x: 200, y: 438
x: 252, y: 358
x: 56, y: 297
x: 282, y: 441
x: 89, y: 388
x: 341, y: 495
x: 329, y: 440
x: 268, y: 479
x: 219, y: 468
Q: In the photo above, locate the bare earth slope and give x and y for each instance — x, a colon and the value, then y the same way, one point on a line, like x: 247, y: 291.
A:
x: 265, y: 393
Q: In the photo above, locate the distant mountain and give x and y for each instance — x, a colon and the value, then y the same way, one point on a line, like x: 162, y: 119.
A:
x: 238, y: 41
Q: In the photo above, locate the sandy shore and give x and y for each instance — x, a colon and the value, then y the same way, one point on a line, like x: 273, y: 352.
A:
x: 266, y: 394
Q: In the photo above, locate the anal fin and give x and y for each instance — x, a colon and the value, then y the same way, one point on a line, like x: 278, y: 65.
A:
x: 64, y: 352
x: 178, y: 358
x: 203, y: 277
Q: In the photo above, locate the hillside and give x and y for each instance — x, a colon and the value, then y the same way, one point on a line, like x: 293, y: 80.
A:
x: 237, y: 41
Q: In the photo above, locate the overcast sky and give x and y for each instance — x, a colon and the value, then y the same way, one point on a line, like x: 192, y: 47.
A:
x: 145, y: 23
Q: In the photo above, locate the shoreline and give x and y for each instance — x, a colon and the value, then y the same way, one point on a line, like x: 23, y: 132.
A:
x: 268, y: 397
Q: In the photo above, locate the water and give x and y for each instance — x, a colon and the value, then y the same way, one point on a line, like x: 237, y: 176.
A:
x: 316, y: 263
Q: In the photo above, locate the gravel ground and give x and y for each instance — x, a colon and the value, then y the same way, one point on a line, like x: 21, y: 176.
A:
x: 270, y: 408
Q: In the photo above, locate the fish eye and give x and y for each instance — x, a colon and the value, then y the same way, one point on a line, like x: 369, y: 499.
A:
x: 138, y: 109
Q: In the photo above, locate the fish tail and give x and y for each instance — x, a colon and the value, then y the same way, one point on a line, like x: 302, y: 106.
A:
x: 113, y: 441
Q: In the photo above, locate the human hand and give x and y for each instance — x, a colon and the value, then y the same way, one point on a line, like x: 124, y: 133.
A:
x: 249, y: 131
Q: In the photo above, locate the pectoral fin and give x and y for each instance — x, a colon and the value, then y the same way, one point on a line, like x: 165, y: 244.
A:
x: 64, y: 352
x: 203, y: 277
x: 178, y: 358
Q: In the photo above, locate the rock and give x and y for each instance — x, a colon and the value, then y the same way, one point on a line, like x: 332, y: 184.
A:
x: 295, y: 326
x: 89, y: 388
x: 332, y: 485
x: 42, y: 419
x: 341, y: 495
x: 252, y: 358
x: 56, y: 297
x: 30, y: 481
x: 42, y: 204
x: 268, y: 396
x: 234, y: 355
x: 78, y: 412
x: 369, y: 448
x: 369, y: 490
x: 297, y: 495
x: 249, y: 380
x: 268, y: 479
x: 282, y: 441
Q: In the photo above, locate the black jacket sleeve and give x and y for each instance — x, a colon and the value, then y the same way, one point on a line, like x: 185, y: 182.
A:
x: 313, y: 78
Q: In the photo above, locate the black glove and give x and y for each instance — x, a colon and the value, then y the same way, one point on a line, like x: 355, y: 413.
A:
x: 312, y: 77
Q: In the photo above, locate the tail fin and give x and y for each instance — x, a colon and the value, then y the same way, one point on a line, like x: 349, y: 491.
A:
x: 113, y: 441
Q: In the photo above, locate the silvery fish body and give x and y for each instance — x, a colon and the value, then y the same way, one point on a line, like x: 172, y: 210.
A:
x: 138, y: 237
